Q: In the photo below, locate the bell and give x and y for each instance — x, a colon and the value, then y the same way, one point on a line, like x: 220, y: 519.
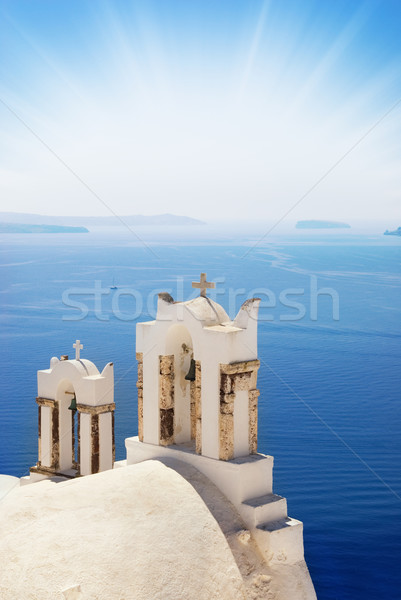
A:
x: 73, y: 405
x: 190, y: 376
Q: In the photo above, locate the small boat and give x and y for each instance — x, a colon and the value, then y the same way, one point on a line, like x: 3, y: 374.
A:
x: 113, y: 287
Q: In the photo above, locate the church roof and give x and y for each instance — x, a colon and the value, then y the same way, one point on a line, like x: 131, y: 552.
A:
x: 138, y: 532
x: 207, y: 311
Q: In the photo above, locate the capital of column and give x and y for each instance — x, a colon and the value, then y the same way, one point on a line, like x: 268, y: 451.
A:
x: 96, y: 410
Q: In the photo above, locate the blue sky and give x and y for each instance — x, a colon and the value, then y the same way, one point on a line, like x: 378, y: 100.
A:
x: 211, y: 109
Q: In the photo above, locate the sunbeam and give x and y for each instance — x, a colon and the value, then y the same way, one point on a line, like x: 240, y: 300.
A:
x: 154, y: 104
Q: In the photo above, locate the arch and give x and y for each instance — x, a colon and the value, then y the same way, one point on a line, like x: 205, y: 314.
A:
x: 66, y: 427
x: 180, y: 345
x: 74, y: 371
x: 193, y: 329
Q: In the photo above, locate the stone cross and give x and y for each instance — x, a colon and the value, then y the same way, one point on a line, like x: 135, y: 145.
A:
x: 78, y: 347
x: 203, y: 285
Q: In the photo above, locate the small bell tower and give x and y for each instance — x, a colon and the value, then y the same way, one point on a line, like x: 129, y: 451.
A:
x: 76, y: 418
x: 197, y: 373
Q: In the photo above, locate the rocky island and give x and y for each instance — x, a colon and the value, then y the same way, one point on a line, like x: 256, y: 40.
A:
x: 321, y: 225
x: 30, y: 228
x: 395, y: 232
x: 109, y: 221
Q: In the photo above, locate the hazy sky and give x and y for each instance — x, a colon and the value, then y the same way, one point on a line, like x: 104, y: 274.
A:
x: 206, y: 108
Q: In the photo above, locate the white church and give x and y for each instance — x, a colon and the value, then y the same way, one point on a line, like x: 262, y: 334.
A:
x: 190, y: 513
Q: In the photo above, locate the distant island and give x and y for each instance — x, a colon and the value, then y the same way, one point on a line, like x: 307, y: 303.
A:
x: 395, y: 232
x: 322, y: 225
x: 131, y: 220
x: 28, y: 228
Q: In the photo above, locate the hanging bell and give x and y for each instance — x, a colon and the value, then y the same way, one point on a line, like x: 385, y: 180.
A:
x: 73, y: 405
x: 190, y: 376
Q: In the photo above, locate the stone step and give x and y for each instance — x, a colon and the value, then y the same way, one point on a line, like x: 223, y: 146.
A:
x: 264, y: 509
x: 281, y: 542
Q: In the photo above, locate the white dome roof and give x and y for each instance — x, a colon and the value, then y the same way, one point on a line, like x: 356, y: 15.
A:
x: 206, y: 310
x: 140, y: 532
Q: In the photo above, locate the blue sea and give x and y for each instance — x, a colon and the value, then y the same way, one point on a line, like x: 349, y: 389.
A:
x: 330, y: 376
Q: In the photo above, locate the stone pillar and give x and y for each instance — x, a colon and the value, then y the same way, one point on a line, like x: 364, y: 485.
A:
x: 55, y: 436
x: 193, y: 409
x: 39, y: 435
x: 226, y: 426
x: 101, y: 443
x: 139, y: 385
x: 166, y: 400
x: 196, y: 408
x: 78, y: 465
x: 237, y: 377
x: 95, y: 446
x: 113, y: 434
x: 48, y: 435
x: 253, y: 421
x: 75, y: 464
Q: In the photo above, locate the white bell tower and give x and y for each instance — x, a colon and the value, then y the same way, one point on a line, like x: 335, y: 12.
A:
x: 197, y: 376
x: 76, y: 418
x: 198, y: 404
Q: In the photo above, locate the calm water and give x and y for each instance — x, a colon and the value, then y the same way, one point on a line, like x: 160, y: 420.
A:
x: 330, y: 406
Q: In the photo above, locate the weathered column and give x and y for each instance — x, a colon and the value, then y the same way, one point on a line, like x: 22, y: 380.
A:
x: 234, y: 378
x: 193, y: 409
x: 55, y: 432
x: 48, y: 434
x: 196, y: 408
x: 139, y: 385
x: 253, y: 421
x: 39, y: 435
x: 96, y: 438
x: 78, y: 465
x: 113, y: 437
x: 73, y: 461
x: 166, y: 400
x: 95, y: 446
x: 226, y: 420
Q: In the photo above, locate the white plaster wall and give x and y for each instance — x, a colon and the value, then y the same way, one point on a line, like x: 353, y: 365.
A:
x: 102, y: 386
x: 85, y: 434
x: 241, y: 424
x: 105, y: 441
x: 91, y: 387
x: 46, y: 438
x: 210, y: 407
x: 151, y: 419
x: 240, y: 479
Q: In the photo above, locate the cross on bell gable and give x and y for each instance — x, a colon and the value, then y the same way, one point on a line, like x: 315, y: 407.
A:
x: 78, y: 347
x: 203, y: 285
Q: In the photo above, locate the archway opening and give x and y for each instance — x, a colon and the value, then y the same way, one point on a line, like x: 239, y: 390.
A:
x: 179, y: 343
x: 68, y: 428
